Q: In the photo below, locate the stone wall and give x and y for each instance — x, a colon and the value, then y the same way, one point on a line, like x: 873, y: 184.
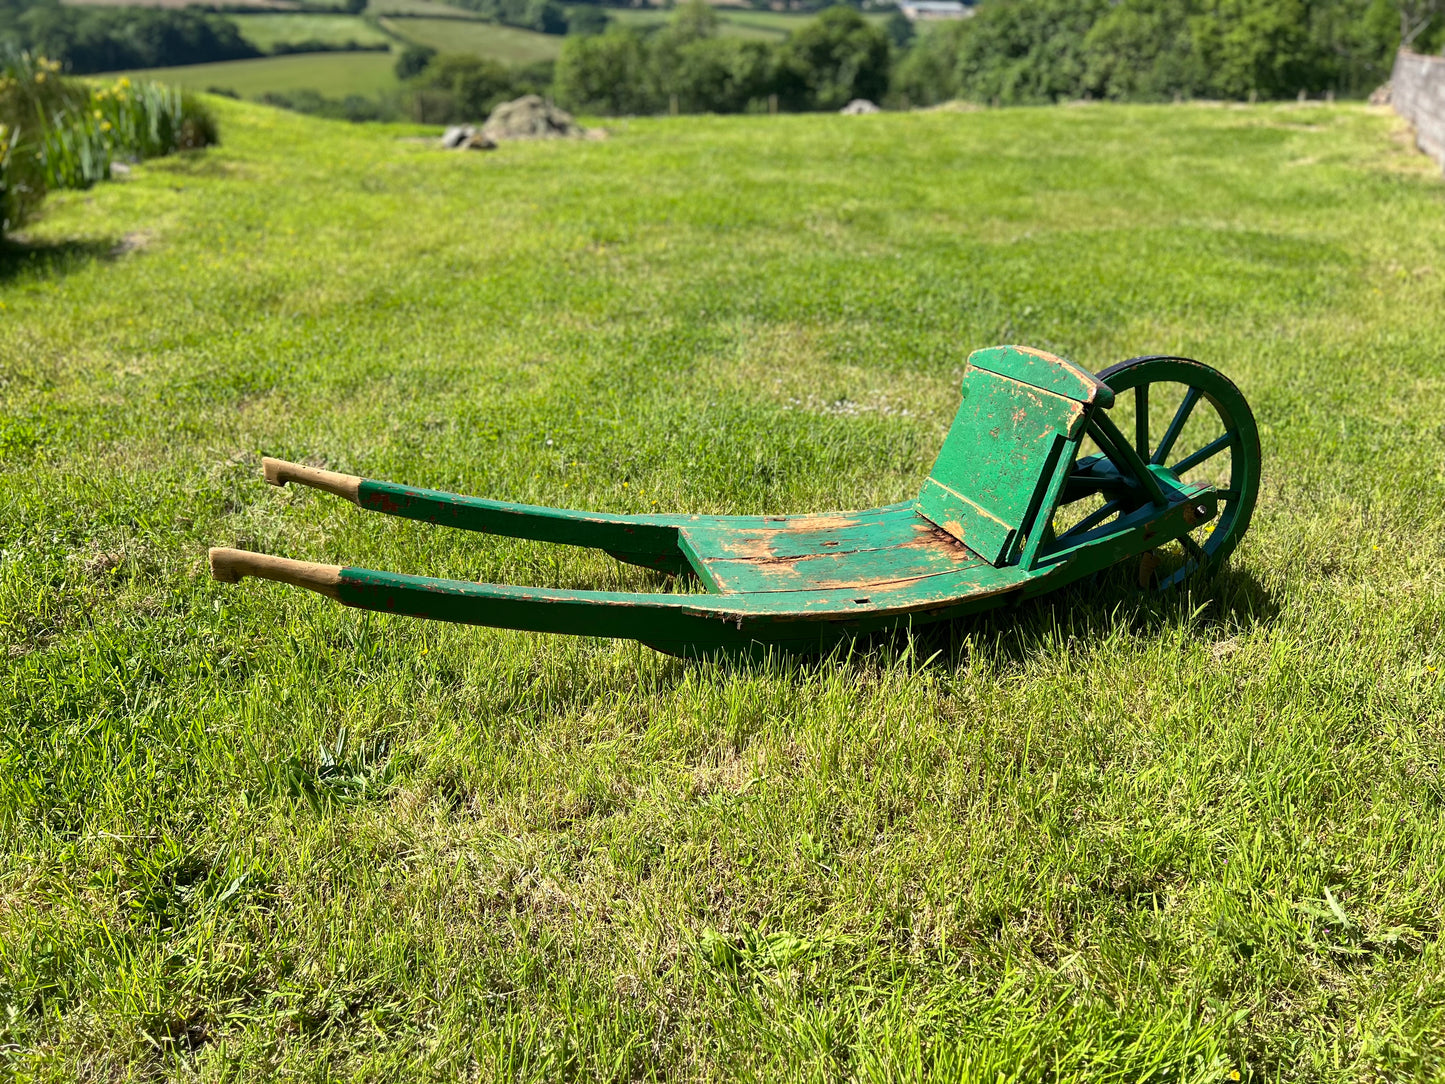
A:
x: 1417, y: 91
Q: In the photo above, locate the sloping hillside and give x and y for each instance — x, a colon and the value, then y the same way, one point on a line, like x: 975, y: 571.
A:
x: 250, y: 833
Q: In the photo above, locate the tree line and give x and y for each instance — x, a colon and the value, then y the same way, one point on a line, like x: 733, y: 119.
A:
x: 689, y: 67
x: 1010, y: 52
x: 85, y: 39
x: 1031, y: 51
x: 97, y: 39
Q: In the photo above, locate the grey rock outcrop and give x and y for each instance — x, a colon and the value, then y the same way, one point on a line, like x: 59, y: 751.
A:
x: 530, y: 117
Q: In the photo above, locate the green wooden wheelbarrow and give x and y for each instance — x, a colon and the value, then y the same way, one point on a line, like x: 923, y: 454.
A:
x: 1010, y: 510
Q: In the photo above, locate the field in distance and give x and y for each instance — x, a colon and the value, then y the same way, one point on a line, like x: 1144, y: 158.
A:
x: 333, y: 74
x: 509, y: 44
x: 420, y: 7
x: 734, y: 22
x: 258, y: 5
x: 267, y: 31
x: 424, y: 22
x: 339, y: 74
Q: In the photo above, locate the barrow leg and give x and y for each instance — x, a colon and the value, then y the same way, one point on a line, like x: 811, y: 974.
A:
x: 676, y: 624
x: 650, y: 541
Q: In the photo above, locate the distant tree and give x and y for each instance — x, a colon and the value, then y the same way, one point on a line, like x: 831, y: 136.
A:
x: 545, y: 15
x: 899, y: 28
x: 458, y: 87
x: 1143, y: 50
x: 355, y: 7
x: 1250, y: 47
x: 607, y: 73
x: 833, y: 59
x: 927, y: 73
x: 720, y: 75
x: 691, y: 22
x: 96, y: 39
x: 1026, y: 51
x: 587, y: 20
x: 412, y: 60
x: 1417, y: 17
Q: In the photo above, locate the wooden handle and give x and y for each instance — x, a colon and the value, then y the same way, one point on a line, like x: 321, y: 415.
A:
x: 230, y: 566
x: 278, y: 472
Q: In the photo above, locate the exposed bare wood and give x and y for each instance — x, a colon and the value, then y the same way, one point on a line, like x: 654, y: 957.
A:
x: 231, y: 566
x: 278, y: 472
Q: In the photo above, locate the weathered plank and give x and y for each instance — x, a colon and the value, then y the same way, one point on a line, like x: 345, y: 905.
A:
x: 1045, y: 371
x: 1001, y: 453
x: 889, y: 551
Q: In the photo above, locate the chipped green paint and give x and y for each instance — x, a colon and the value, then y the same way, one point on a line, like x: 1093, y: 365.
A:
x: 1046, y: 372
x: 979, y: 535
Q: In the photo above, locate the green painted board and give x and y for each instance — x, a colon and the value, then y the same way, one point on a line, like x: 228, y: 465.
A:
x: 997, y: 460
x: 1045, y: 371
x: 900, y: 547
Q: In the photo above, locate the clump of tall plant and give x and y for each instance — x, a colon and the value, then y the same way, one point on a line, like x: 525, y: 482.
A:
x: 64, y: 133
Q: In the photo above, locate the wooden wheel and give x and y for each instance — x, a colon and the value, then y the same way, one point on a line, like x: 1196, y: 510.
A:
x: 1192, y: 420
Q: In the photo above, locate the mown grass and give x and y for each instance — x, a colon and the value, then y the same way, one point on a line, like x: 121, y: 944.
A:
x: 333, y: 74
x: 249, y: 834
x: 509, y: 44
x: 267, y: 31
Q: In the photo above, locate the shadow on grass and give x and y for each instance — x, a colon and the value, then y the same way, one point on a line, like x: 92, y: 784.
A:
x: 1092, y: 611
x: 44, y: 259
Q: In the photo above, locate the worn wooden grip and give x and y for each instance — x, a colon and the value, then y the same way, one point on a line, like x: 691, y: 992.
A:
x: 278, y: 472
x: 230, y: 566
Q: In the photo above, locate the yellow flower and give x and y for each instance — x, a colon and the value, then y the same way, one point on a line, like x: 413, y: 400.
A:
x: 123, y: 83
x: 40, y: 77
x: 105, y: 126
x: 98, y: 114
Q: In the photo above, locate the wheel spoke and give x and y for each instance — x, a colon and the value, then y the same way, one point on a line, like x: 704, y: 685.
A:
x: 1117, y: 447
x: 1176, y: 426
x: 1233, y: 481
x: 1194, y: 549
x: 1092, y: 520
x: 1141, y: 420
x: 1209, y: 451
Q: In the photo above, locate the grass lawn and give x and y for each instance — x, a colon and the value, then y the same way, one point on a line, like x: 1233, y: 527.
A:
x: 509, y: 44
x: 333, y: 74
x: 268, y: 31
x: 249, y: 834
